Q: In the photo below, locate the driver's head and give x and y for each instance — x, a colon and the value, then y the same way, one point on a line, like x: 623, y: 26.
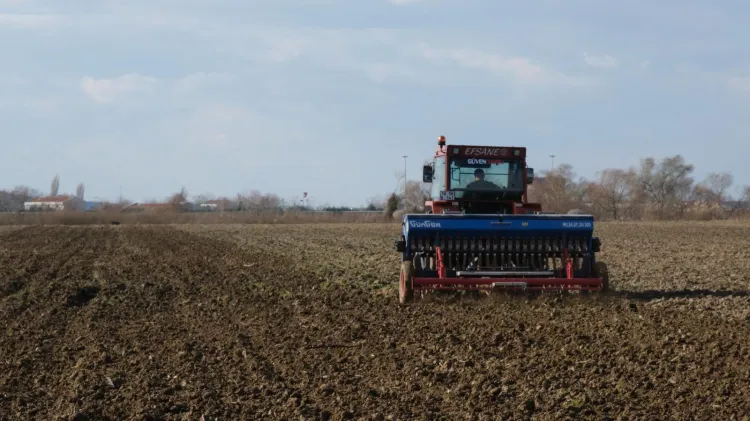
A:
x: 479, y: 174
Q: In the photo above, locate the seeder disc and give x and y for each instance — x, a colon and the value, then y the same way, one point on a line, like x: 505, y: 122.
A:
x: 405, y: 287
x: 601, y: 270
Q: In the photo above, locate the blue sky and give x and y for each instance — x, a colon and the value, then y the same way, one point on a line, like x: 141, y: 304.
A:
x: 325, y: 96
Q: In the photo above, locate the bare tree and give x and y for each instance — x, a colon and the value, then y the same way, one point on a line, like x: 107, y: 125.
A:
x: 55, y: 186
x: 13, y: 200
x: 399, y: 176
x: 688, y: 197
x: 123, y: 202
x: 416, y: 195
x: 558, y: 191
x: 203, y: 198
x: 612, y: 191
x: 745, y: 199
x: 736, y: 204
x: 392, y: 204
x: 269, y: 202
x: 259, y: 202
x: 179, y: 198
x: 666, y: 184
x: 376, y: 203
x: 717, y: 184
x: 80, y: 190
x: 740, y: 203
x: 6, y: 201
x: 24, y: 193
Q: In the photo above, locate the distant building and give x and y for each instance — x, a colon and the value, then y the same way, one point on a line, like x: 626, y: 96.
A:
x: 54, y: 203
x: 89, y: 206
x: 151, y: 207
x: 216, y: 205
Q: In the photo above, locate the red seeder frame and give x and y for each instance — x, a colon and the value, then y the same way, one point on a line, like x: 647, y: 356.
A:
x: 443, y: 282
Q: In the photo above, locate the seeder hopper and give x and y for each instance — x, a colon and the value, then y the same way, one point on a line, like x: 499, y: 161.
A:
x: 481, y: 233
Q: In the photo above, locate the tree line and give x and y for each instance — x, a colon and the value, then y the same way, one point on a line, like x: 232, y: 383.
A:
x: 663, y: 189
x: 14, y: 199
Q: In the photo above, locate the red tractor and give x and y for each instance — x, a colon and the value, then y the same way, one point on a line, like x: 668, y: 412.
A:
x: 479, y: 179
x: 481, y: 233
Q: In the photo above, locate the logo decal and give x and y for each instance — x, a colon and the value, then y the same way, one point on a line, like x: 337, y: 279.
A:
x: 424, y: 224
x: 486, y: 152
x: 577, y: 224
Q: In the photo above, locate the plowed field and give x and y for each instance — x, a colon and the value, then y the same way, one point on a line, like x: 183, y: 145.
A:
x: 302, y: 322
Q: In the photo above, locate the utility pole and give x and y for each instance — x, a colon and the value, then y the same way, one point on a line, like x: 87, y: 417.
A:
x: 553, y: 161
x: 404, y: 156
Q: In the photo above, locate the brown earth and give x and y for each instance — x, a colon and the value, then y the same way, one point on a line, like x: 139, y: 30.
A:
x: 302, y: 322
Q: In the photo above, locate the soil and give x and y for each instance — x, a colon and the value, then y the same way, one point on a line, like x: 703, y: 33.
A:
x: 303, y: 322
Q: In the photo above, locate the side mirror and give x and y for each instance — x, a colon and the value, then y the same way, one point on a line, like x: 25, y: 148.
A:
x: 529, y: 175
x: 427, y: 174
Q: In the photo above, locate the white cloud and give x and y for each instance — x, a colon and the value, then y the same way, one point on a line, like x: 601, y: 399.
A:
x: 600, y: 61
x: 198, y: 80
x: 11, y: 80
x: 110, y: 90
x: 29, y: 20
x: 520, y: 69
x: 285, y: 47
x: 381, y: 72
x: 741, y: 83
x: 37, y: 105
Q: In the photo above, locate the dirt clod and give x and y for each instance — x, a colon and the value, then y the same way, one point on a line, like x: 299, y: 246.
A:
x: 82, y: 296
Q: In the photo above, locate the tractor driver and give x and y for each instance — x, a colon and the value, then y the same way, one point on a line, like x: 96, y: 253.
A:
x: 480, y: 183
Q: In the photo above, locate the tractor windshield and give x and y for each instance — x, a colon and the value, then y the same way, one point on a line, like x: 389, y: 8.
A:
x: 478, y: 174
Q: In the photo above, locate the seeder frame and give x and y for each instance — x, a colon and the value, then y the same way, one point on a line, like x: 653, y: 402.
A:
x: 576, y: 268
x: 526, y: 283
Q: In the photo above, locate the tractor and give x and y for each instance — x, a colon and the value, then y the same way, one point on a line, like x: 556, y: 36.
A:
x: 480, y: 233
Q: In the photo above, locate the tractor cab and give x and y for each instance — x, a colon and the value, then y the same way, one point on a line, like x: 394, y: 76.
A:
x: 479, y: 180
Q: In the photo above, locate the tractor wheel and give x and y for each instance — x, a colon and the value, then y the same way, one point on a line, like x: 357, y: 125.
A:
x: 601, y: 270
x: 405, y: 288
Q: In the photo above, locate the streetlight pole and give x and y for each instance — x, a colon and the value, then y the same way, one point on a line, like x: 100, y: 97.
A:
x: 553, y: 161
x: 404, y: 156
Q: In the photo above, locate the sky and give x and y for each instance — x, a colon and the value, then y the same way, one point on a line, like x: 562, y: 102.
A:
x: 326, y: 96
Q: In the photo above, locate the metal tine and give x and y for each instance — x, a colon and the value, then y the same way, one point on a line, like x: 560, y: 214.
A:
x: 527, y: 253
x: 488, y: 251
x: 464, y: 249
x: 482, y: 252
x: 448, y: 257
x: 495, y: 251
